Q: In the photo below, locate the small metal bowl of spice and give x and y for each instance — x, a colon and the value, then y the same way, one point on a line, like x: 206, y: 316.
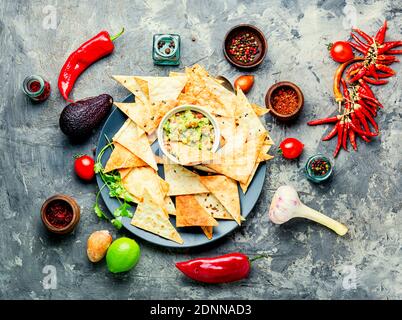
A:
x: 318, y: 168
x: 284, y: 100
x: 60, y: 214
x: 245, y: 46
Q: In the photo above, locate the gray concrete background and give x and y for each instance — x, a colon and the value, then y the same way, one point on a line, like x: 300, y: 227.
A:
x: 305, y: 260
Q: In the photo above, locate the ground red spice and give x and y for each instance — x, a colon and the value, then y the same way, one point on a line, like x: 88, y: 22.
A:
x: 285, y: 100
x: 59, y: 214
x: 35, y: 86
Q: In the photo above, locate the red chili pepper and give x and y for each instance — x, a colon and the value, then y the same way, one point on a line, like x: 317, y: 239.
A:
x: 357, y: 47
x: 353, y: 68
x: 324, y: 120
x: 362, y: 120
x: 359, y: 42
x: 385, y: 48
x: 374, y: 81
x: 380, y: 36
x: 372, y: 71
x: 227, y: 268
x: 368, y: 108
x: 362, y: 72
x: 385, y: 69
x: 363, y: 95
x: 352, y: 138
x: 339, y: 143
x: 394, y: 52
x: 345, y: 136
x: 370, y: 118
x: 332, y: 133
x: 356, y: 123
x: 366, y: 89
x: 386, y: 58
x: 361, y: 132
x: 364, y: 35
x: 92, y: 50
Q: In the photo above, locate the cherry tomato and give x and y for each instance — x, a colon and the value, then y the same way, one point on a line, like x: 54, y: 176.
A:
x: 244, y: 82
x: 341, y: 51
x: 291, y: 148
x: 84, y: 167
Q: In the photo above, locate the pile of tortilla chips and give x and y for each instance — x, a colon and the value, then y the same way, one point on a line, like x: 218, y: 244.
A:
x: 205, y: 189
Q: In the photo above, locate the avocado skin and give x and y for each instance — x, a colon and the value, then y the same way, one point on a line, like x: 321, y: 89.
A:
x: 78, y: 119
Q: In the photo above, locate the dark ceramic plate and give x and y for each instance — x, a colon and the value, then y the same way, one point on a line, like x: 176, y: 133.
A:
x: 192, y: 237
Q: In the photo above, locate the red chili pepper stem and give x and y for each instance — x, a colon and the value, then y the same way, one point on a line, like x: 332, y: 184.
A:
x: 112, y: 38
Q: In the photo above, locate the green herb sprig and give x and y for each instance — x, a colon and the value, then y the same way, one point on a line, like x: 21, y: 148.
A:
x: 116, y: 190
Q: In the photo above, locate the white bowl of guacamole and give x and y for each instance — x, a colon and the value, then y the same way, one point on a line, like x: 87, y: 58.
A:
x: 190, y: 125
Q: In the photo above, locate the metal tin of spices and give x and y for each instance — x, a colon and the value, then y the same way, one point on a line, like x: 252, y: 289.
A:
x: 36, y: 88
x: 166, y: 49
x: 318, y: 168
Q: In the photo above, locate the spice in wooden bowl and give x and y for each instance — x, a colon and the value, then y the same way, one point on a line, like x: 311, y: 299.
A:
x: 284, y: 100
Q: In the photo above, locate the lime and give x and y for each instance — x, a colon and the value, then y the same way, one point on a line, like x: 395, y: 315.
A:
x: 122, y: 255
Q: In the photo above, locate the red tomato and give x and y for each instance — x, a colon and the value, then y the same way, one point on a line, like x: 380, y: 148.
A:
x: 341, y: 51
x: 84, y: 167
x: 291, y: 148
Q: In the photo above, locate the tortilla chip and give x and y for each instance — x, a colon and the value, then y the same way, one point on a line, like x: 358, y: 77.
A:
x: 176, y: 74
x: 187, y: 155
x: 263, y: 156
x: 204, y: 168
x: 247, y: 121
x: 124, y: 172
x: 142, y: 179
x: 147, y: 116
x: 205, y: 91
x: 152, y: 137
x: 122, y: 158
x: 212, y: 205
x: 225, y: 190
x: 164, y: 88
x: 135, y: 140
x: 189, y: 213
x: 123, y: 128
x: 182, y: 181
x: 169, y: 206
x: 227, y: 126
x: 131, y: 84
x: 151, y: 217
x: 143, y: 85
x: 208, y: 231
x: 259, y: 111
x: 237, y: 158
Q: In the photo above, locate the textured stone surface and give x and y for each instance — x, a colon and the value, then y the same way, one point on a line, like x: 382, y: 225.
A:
x: 305, y: 260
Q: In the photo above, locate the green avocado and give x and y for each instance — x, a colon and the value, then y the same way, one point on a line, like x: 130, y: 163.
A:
x: 78, y: 119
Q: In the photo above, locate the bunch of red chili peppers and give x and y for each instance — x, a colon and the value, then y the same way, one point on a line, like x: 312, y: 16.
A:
x: 358, y: 100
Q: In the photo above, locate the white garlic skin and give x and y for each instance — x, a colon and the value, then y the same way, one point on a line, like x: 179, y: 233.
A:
x: 284, y: 205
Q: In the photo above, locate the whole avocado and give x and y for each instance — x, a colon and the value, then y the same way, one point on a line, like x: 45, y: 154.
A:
x: 78, y: 119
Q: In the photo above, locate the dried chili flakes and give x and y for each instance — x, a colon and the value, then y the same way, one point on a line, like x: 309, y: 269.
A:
x: 285, y: 100
x: 59, y: 214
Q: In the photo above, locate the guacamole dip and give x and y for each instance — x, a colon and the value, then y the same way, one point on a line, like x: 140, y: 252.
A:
x: 189, y: 127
